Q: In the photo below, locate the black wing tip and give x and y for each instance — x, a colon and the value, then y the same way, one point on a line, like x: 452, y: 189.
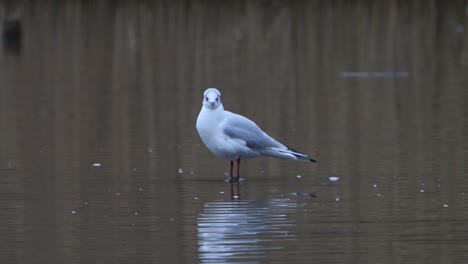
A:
x: 305, y: 156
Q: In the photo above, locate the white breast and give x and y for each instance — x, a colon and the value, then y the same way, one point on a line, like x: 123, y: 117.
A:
x: 209, y: 126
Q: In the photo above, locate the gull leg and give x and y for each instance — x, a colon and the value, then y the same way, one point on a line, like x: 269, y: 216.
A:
x: 235, y: 181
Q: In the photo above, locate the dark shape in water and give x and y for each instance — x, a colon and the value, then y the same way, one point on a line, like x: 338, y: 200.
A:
x: 11, y: 36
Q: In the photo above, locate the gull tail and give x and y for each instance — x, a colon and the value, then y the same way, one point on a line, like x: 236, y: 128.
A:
x: 287, y: 153
x: 300, y: 155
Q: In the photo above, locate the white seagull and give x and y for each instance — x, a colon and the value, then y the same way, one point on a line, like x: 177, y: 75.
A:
x: 234, y: 137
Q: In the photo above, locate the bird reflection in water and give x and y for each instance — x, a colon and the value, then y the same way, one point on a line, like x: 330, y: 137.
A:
x: 235, y: 190
x: 244, y: 231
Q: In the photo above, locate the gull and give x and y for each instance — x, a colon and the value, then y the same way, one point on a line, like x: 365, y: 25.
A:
x: 234, y: 137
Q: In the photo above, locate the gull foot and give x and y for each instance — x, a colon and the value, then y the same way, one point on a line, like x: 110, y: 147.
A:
x: 235, y: 180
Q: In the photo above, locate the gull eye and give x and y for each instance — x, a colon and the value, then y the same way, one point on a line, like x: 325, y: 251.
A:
x: 206, y: 98
x: 217, y: 99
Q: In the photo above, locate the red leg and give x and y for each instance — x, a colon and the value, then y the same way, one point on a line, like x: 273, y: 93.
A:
x: 232, y: 164
x: 238, y: 167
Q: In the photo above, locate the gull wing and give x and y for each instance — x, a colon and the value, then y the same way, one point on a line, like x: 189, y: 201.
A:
x: 238, y: 127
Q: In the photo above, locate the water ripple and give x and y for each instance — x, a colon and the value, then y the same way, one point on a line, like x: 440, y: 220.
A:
x: 244, y: 230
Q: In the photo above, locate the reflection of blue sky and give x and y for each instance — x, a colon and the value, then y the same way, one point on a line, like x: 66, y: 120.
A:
x: 231, y: 231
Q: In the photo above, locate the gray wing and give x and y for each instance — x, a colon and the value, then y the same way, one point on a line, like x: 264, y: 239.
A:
x: 239, y: 127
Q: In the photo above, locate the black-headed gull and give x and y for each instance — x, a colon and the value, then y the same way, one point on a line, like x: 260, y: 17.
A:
x: 234, y: 137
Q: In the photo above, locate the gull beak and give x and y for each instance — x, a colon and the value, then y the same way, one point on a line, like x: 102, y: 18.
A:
x: 212, y: 104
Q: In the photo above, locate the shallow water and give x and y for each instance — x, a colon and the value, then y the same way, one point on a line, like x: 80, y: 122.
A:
x: 100, y: 161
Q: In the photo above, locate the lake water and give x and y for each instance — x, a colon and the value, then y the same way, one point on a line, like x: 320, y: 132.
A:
x: 100, y: 161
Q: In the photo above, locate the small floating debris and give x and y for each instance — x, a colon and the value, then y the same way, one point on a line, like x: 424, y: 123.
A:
x: 135, y: 213
x: 141, y: 189
x: 180, y: 171
x: 375, y: 185
x: 235, y: 197
x: 221, y: 192
x: 86, y: 203
x: 333, y: 178
x: 445, y: 205
x: 195, y: 198
x: 421, y: 190
x: 337, y: 199
x: 298, y: 177
x: 73, y: 212
x: 118, y: 193
x: 97, y: 164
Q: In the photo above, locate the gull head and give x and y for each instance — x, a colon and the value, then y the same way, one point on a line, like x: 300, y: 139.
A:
x: 212, y: 98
